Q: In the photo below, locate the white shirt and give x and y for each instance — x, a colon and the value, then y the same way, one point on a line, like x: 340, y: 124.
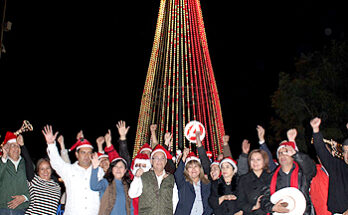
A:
x: 197, y: 207
x: 15, y: 163
x: 80, y: 198
x: 136, y: 189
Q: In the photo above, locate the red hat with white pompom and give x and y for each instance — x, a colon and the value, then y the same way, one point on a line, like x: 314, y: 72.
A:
x: 9, y: 138
x: 230, y: 161
x: 160, y: 148
x: 145, y: 147
x: 82, y: 142
x: 287, y: 143
x: 192, y: 156
x: 102, y: 155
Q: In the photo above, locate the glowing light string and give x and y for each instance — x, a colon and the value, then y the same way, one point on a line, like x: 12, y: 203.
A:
x: 180, y: 85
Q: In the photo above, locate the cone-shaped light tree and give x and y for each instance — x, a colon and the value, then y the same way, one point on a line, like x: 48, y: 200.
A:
x: 180, y: 84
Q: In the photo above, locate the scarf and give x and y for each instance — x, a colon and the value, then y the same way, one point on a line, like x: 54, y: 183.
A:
x: 108, y: 200
x: 293, y: 179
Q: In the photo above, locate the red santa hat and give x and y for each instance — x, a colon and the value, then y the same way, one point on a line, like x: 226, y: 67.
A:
x: 192, y: 156
x: 230, y: 161
x: 140, y: 159
x: 145, y: 147
x: 215, y: 163
x: 82, y: 142
x: 9, y: 138
x: 160, y: 148
x: 102, y: 155
x: 115, y: 156
x: 287, y: 143
x: 209, y: 154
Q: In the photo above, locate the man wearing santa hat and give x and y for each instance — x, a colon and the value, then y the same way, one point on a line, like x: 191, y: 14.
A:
x: 80, y: 198
x: 295, y: 170
x: 156, y: 188
x: 14, y: 193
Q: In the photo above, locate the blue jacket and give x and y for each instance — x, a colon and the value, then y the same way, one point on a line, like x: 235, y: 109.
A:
x: 187, y: 193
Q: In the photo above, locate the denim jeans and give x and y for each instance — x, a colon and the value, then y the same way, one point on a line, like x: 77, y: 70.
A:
x: 11, y: 212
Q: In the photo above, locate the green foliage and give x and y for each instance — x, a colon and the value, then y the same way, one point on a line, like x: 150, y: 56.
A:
x: 318, y: 87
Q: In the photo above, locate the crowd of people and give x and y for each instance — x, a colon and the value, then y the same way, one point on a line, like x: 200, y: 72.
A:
x: 158, y: 182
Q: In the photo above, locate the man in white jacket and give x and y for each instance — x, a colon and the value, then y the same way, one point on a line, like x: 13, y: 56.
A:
x: 80, y: 198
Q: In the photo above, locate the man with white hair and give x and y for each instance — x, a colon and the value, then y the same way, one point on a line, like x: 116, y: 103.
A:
x: 14, y: 193
x: 156, y: 188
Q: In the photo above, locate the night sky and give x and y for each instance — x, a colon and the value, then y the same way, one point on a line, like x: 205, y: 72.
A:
x: 82, y: 65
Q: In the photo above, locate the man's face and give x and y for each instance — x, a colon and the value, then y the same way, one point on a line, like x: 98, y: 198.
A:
x: 84, y: 156
x: 158, y: 161
x: 284, y: 158
x: 345, y: 154
x: 14, y: 150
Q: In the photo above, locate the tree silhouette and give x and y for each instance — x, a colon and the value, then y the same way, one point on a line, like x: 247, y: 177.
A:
x: 317, y: 87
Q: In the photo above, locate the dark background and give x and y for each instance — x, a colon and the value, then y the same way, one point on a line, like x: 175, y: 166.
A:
x: 82, y: 65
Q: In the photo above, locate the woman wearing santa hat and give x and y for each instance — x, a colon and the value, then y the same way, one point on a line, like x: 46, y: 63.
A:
x: 224, y: 190
x: 113, y: 187
x: 193, y: 186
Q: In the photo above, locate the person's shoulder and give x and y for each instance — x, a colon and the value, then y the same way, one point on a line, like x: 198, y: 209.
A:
x: 216, y: 182
x: 245, y: 176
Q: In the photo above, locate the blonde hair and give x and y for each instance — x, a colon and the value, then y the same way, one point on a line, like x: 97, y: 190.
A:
x: 201, y: 173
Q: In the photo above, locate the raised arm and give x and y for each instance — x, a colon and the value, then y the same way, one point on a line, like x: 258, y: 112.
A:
x: 123, y: 147
x: 56, y: 161
x: 154, y: 140
x: 29, y: 166
x: 95, y: 184
x: 63, y: 151
x: 203, y: 155
x: 243, y: 166
x: 319, y: 145
x: 170, y: 165
x: 226, y: 146
x: 261, y: 135
x: 179, y: 173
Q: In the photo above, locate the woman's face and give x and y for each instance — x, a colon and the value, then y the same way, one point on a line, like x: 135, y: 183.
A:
x: 256, y: 161
x: 227, y: 170
x: 119, y: 170
x: 45, y: 170
x: 193, y: 170
x: 215, y: 171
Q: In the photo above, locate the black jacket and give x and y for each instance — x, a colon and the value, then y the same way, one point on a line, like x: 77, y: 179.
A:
x: 338, y: 181
x: 220, y: 188
x: 250, y: 187
x: 307, y: 170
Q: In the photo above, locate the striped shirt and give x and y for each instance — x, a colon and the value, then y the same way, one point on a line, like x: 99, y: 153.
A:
x: 44, y: 197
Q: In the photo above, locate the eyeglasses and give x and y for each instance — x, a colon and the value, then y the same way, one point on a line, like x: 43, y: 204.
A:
x: 159, y: 159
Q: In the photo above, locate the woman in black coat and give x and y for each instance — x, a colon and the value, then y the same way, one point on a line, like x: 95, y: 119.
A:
x: 223, y: 190
x: 252, y: 185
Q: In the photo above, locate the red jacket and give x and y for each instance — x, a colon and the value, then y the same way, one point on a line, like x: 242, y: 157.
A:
x: 319, y: 191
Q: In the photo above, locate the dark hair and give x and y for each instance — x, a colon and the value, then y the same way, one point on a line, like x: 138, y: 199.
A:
x: 110, y: 177
x: 264, y: 156
x: 40, y: 161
